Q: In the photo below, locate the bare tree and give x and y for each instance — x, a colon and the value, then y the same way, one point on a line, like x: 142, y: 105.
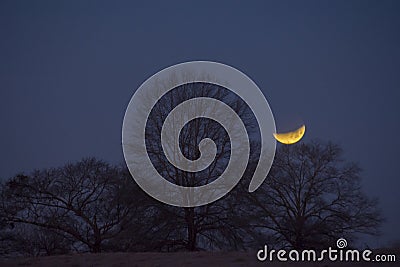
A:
x: 312, y: 197
x: 82, y: 201
x: 209, y: 226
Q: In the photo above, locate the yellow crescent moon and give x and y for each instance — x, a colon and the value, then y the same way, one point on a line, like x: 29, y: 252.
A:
x: 290, y: 137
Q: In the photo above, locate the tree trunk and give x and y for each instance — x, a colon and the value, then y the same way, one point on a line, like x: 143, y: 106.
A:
x: 191, y: 229
x: 96, y: 247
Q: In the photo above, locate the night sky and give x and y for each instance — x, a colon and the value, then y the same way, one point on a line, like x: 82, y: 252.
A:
x: 69, y: 68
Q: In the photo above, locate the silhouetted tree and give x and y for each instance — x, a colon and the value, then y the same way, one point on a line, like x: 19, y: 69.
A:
x: 208, y: 226
x: 82, y: 201
x: 311, y: 197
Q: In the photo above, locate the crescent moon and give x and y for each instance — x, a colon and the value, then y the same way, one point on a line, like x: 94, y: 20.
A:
x: 291, y: 137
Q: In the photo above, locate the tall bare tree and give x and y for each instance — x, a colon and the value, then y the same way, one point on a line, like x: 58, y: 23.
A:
x: 311, y: 197
x: 208, y: 226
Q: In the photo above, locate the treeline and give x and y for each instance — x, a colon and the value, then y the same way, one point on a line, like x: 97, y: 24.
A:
x: 310, y: 198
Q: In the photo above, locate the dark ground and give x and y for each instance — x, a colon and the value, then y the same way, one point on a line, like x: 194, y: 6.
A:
x: 175, y: 259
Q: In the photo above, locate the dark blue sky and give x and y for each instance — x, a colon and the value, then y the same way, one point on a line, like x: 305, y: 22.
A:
x: 68, y: 70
